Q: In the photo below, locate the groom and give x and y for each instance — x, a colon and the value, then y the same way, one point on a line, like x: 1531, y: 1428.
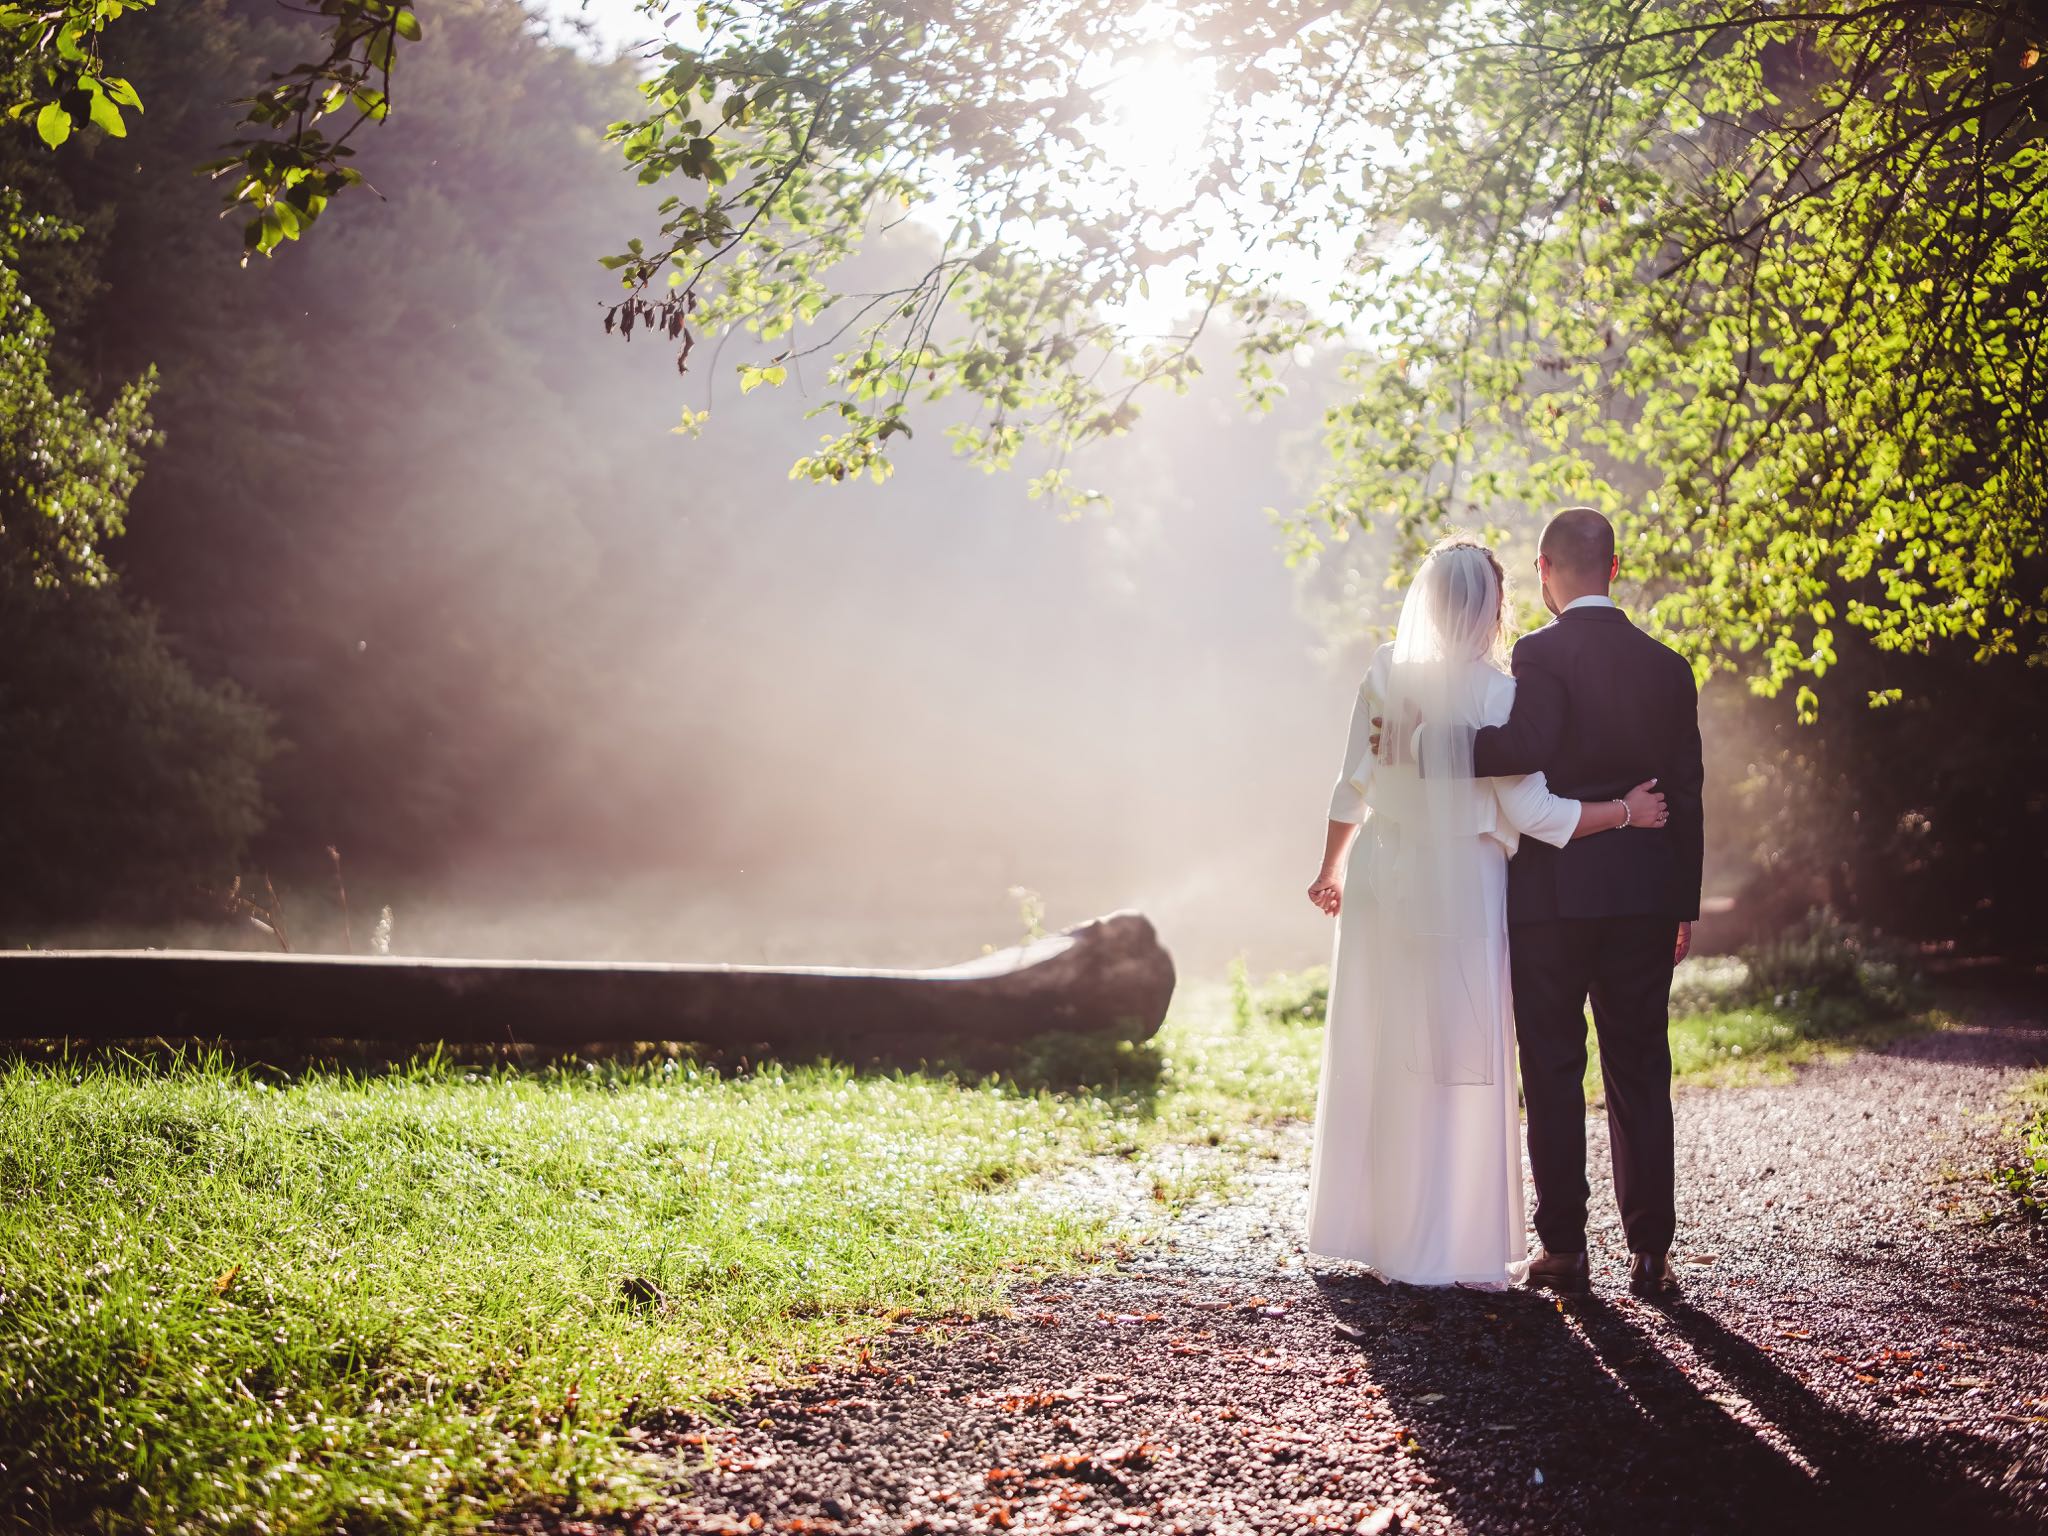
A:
x: 1599, y: 706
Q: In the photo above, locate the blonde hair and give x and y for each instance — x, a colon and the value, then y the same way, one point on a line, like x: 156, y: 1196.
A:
x: 1496, y: 646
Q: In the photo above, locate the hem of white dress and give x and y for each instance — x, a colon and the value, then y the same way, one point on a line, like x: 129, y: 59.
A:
x: 1505, y: 1275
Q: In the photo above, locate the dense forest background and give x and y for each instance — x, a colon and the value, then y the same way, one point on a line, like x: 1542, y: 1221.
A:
x: 417, y: 572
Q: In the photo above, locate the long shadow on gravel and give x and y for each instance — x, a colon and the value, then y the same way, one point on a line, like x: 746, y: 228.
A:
x: 1535, y: 1415
x: 1865, y: 1474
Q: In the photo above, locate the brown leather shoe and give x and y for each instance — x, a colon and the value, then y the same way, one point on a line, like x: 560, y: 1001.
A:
x: 1558, y: 1272
x: 1651, y: 1277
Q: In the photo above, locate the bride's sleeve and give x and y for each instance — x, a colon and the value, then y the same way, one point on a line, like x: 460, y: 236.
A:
x: 1527, y: 802
x: 1354, y: 774
x: 1534, y: 811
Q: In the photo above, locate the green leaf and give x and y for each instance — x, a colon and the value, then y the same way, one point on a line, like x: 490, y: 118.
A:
x: 408, y: 26
x: 53, y: 123
x: 107, y: 117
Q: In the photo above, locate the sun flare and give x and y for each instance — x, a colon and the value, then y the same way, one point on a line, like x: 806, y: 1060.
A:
x: 1158, y: 119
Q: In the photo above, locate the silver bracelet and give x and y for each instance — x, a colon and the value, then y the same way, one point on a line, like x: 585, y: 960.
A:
x: 1627, y: 816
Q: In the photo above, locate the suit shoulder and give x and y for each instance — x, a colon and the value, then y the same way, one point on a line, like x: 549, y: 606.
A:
x: 1669, y: 659
x: 1539, y: 642
x: 1667, y: 672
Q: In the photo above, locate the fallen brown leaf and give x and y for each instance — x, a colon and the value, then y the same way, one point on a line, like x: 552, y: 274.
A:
x: 1139, y: 1453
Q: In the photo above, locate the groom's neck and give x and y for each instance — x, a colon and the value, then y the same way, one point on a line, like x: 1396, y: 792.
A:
x: 1564, y: 594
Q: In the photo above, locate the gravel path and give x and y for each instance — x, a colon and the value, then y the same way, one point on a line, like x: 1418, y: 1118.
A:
x: 1855, y: 1346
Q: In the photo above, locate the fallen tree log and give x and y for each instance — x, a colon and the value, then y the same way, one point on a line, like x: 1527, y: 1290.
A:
x: 1109, y: 976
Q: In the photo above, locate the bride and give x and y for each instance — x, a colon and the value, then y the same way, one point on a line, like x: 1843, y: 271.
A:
x: 1418, y: 1159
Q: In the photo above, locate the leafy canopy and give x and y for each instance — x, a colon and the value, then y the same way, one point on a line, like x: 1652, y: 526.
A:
x: 1764, y: 283
x: 66, y: 470
x: 282, y: 171
x: 140, y: 775
x: 1761, y: 282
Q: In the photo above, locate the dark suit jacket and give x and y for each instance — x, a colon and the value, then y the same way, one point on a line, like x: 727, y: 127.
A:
x: 1600, y: 707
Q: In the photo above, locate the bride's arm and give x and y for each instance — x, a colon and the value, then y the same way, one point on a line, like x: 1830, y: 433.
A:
x: 1536, y: 812
x: 1347, y: 803
x: 1527, y: 802
x: 1641, y: 807
x: 1327, y: 889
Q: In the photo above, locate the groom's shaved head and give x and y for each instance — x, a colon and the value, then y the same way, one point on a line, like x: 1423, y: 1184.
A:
x: 1579, y: 544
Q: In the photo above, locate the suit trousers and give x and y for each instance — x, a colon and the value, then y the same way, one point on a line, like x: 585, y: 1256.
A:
x: 1624, y: 965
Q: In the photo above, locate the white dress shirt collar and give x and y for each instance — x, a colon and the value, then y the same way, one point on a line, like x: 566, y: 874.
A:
x: 1590, y: 600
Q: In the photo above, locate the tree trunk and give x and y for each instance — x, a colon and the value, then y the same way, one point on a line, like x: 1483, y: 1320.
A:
x: 1109, y: 976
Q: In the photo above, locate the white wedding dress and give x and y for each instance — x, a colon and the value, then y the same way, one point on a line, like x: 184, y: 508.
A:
x: 1417, y: 1176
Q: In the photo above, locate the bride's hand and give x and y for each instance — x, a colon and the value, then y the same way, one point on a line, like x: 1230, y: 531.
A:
x: 1327, y: 894
x: 1646, y: 806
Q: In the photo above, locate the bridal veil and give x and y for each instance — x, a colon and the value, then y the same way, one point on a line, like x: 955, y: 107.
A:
x: 1443, y: 994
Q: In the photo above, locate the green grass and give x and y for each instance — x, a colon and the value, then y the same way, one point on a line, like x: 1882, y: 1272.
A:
x: 2022, y: 1185
x: 1812, y: 994
x: 1823, y: 988
x: 232, y: 1303
x: 235, y: 1300
x: 1722, y: 1046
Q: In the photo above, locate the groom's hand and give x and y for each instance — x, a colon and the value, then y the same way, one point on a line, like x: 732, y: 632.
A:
x: 1684, y: 943
x: 1411, y: 727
